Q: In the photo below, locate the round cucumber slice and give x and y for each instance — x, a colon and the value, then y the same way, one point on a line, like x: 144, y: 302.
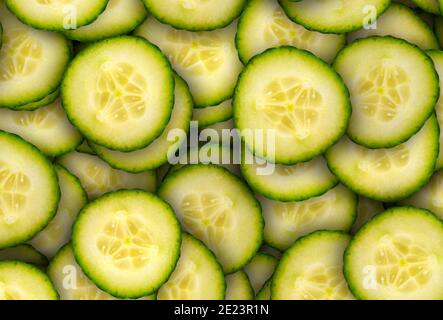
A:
x: 25, y: 59
x: 290, y: 183
x: 197, y: 276
x: 285, y: 222
x: 40, y: 126
x: 156, y: 154
x: 21, y: 281
x: 260, y: 269
x: 56, y: 15
x: 238, y: 287
x: 265, y: 292
x: 437, y: 58
x: 49, y: 99
x: 217, y: 208
x: 195, y: 15
x: 429, y: 197
x: 127, y: 242
x: 387, y: 174
x: 295, y: 97
x: 394, y: 88
x: 214, y: 114
x: 401, y: 22
x: 58, y: 231
x: 432, y: 6
x: 120, y: 17
x: 25, y: 253
x: 264, y: 24
x: 208, y: 61
x: 98, y: 178
x: 342, y: 15
x: 129, y: 83
x: 367, y: 208
x: 29, y: 191
x: 312, y: 269
x: 397, y: 255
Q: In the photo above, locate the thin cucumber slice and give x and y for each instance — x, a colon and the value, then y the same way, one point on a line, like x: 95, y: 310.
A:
x: 22, y: 83
x: 260, y: 269
x: 97, y: 177
x: 394, y: 88
x: 367, y: 208
x: 387, y: 174
x: 290, y: 183
x: 401, y: 22
x: 195, y: 15
x: 129, y: 83
x: 40, y: 103
x: 265, y: 291
x: 437, y: 58
x: 21, y: 281
x: 120, y: 17
x: 216, y: 207
x: 432, y: 6
x: 25, y: 253
x: 264, y: 24
x: 429, y: 197
x: 58, y: 231
x: 40, y: 126
x: 85, y: 148
x: 397, y: 255
x: 238, y: 287
x: 213, y: 114
x: 207, y: 60
x: 127, y: 242
x: 285, y: 222
x: 29, y: 192
x: 312, y: 269
x: 197, y: 276
x: 341, y: 15
x: 157, y: 153
x: 56, y: 15
x: 294, y: 96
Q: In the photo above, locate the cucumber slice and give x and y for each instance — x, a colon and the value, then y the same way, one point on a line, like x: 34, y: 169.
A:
x: 394, y: 88
x: 285, y: 222
x: 367, y: 208
x: 387, y: 174
x: 120, y: 17
x: 56, y: 15
x: 32, y: 62
x: 296, y: 97
x: 29, y: 191
x: 265, y: 291
x: 21, y: 281
x: 197, y: 276
x: 429, y: 197
x: 290, y: 183
x: 214, y: 114
x: 25, y: 253
x: 130, y: 83
x: 40, y: 126
x: 264, y: 24
x: 414, y: 29
x: 238, y: 287
x: 196, y: 15
x: 397, y: 255
x: 85, y: 148
x: 40, y: 103
x: 312, y: 269
x: 208, y: 61
x: 98, y: 178
x: 58, y: 231
x: 437, y: 58
x: 260, y: 269
x: 224, y: 215
x: 127, y: 242
x: 342, y: 15
x: 156, y: 154
x: 431, y: 6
